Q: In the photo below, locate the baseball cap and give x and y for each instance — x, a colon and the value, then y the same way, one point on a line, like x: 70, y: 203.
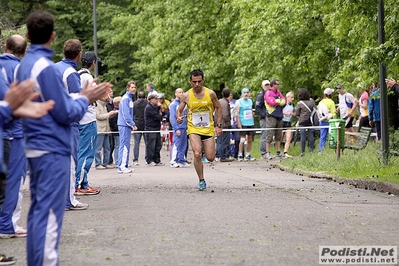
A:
x: 328, y: 91
x: 152, y: 96
x: 161, y: 96
x: 338, y: 86
x: 265, y: 82
x: 89, y: 57
x: 244, y: 90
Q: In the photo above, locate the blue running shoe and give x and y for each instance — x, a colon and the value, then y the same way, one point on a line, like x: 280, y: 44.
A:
x: 204, y: 159
x: 202, y: 185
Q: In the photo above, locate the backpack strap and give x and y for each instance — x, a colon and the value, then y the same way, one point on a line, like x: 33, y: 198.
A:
x: 83, y: 71
x: 307, y: 107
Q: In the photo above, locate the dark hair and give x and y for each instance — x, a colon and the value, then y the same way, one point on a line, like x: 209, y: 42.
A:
x: 72, y: 48
x: 226, y: 92
x: 130, y: 83
x: 40, y: 26
x: 141, y: 95
x: 303, y: 94
x: 196, y: 73
x: 17, y: 48
x: 273, y: 82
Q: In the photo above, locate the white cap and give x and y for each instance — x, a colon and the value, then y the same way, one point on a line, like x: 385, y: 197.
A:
x: 265, y: 82
x: 328, y: 91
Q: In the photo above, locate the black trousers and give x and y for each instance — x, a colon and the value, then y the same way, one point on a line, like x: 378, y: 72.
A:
x: 153, y: 148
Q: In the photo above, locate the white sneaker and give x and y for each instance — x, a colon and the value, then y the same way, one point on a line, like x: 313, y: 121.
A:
x: 135, y: 163
x: 125, y: 171
x: 174, y: 165
x: 184, y: 165
x: 79, y: 207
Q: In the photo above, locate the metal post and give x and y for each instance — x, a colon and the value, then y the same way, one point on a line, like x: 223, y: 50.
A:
x: 383, y: 88
x: 339, y: 140
x: 95, y: 34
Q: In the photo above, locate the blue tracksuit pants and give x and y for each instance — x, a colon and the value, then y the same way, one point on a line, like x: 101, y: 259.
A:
x: 179, y: 146
x: 124, y: 147
x: 71, y: 199
x: 10, y: 213
x: 87, y: 147
x: 48, y: 186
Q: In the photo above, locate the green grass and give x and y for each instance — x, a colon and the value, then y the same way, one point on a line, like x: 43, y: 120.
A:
x: 364, y: 164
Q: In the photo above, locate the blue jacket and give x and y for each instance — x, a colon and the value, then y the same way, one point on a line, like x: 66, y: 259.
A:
x: 9, y: 64
x: 52, y: 132
x: 125, y: 115
x: 5, y: 114
x: 70, y: 77
x: 172, y: 117
x: 374, y: 106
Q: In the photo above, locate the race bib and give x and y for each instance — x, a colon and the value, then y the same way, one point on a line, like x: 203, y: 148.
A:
x: 247, y: 114
x: 201, y: 119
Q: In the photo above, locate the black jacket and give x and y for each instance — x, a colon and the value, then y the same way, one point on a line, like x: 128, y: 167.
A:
x: 152, y: 118
x: 260, y: 107
x: 138, y: 113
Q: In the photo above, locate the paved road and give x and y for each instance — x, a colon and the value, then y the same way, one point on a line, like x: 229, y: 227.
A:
x: 256, y: 215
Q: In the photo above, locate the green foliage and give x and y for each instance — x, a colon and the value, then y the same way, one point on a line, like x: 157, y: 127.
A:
x: 364, y: 164
x: 238, y: 43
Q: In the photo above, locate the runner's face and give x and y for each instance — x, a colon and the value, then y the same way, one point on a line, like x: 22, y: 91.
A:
x: 196, y: 82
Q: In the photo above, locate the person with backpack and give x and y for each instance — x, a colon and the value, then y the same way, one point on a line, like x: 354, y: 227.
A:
x: 326, y: 111
x: 87, y: 130
x: 260, y: 110
x: 274, y: 102
x: 347, y: 104
x: 303, y: 111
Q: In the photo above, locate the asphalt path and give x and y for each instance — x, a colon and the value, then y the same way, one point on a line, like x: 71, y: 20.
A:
x: 250, y: 214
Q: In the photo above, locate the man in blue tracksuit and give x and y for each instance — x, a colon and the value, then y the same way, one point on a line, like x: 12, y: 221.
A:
x: 48, y: 140
x: 87, y: 131
x: 16, y: 95
x: 125, y: 127
x: 14, y: 49
x: 71, y: 79
x: 179, y: 145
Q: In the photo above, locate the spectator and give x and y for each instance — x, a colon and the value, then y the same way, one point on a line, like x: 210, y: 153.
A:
x: 113, y: 124
x: 70, y: 77
x: 48, y: 140
x: 245, y: 120
x: 103, y: 129
x: 110, y: 107
x: 223, y: 141
x: 346, y: 106
x: 274, y: 102
x: 326, y: 111
x: 200, y: 126
x: 234, y: 135
x: 374, y: 111
x: 14, y: 156
x: 303, y: 111
x: 138, y: 118
x: 17, y: 98
x: 87, y: 131
x: 179, y: 143
x: 151, y: 88
x: 260, y: 109
x: 363, y: 107
x: 125, y: 126
x: 288, y: 112
x: 165, y: 118
x: 152, y: 122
